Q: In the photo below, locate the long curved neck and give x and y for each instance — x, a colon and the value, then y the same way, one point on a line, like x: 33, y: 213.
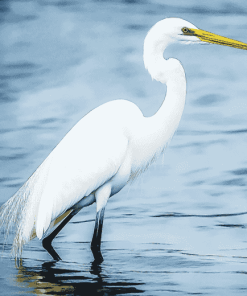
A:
x: 164, y: 123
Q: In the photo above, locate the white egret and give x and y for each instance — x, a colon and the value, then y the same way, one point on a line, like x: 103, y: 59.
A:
x: 105, y: 150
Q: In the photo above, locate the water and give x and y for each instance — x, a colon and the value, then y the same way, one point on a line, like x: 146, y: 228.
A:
x: 180, y: 229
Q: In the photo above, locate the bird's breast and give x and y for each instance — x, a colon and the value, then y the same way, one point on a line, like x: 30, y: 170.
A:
x: 122, y: 176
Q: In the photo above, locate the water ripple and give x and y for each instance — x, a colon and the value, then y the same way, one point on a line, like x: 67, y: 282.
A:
x: 181, y: 215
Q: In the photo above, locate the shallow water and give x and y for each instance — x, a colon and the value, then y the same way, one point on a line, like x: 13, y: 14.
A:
x: 179, y: 229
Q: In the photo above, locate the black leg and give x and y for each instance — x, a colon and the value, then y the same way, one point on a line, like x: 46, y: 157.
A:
x: 96, y: 241
x: 48, y: 240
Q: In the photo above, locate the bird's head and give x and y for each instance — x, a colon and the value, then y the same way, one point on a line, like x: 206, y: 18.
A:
x: 176, y: 30
x: 173, y: 30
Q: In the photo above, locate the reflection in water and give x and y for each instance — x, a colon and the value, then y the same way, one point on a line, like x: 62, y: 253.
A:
x: 181, y: 215
x: 49, y: 279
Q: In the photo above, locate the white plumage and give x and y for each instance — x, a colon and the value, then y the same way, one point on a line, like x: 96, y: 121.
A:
x: 106, y: 149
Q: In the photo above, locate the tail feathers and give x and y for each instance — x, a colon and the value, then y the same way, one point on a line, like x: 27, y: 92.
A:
x: 12, y: 213
x: 19, y: 213
x: 15, y: 217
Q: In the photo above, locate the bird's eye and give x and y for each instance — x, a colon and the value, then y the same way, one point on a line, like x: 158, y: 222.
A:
x: 185, y: 30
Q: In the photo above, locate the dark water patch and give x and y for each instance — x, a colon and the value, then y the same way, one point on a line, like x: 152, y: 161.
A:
x: 239, y: 172
x: 209, y: 100
x: 180, y: 215
x: 5, y: 130
x: 14, y: 156
x: 216, y: 193
x: 210, y: 10
x: 18, y: 18
x: 195, y: 183
x: 239, y: 131
x: 13, y: 148
x: 49, y: 120
x: 21, y: 66
x: 241, y: 272
x: 22, y: 70
x: 36, y: 127
x: 4, y: 10
x: 6, y: 97
x: 3, y: 84
x: 4, y: 6
x: 133, y: 1
x: 71, y: 5
x: 234, y: 8
x: 191, y: 144
x: 136, y: 27
x: 84, y: 221
x: 5, y: 245
x: 197, y: 171
x: 170, y: 251
x: 10, y: 182
x: 193, y: 132
x: 16, y: 76
x: 14, y: 185
x: 65, y: 3
x: 178, y: 261
x: 232, y: 225
x: 226, y: 9
x: 209, y: 132
x: 8, y: 179
x: 231, y: 9
x: 44, y: 124
x: 233, y: 182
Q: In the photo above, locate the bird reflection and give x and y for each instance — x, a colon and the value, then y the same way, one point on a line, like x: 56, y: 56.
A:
x: 55, y: 280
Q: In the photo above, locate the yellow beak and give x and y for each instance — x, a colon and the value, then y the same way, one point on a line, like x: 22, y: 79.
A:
x: 216, y: 39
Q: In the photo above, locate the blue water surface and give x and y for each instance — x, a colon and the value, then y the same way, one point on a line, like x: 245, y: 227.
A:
x: 180, y: 229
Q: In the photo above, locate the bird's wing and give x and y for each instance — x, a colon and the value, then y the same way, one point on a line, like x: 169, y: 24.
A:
x: 82, y: 162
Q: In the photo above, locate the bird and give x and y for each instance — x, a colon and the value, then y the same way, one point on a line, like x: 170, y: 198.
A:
x: 105, y: 150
